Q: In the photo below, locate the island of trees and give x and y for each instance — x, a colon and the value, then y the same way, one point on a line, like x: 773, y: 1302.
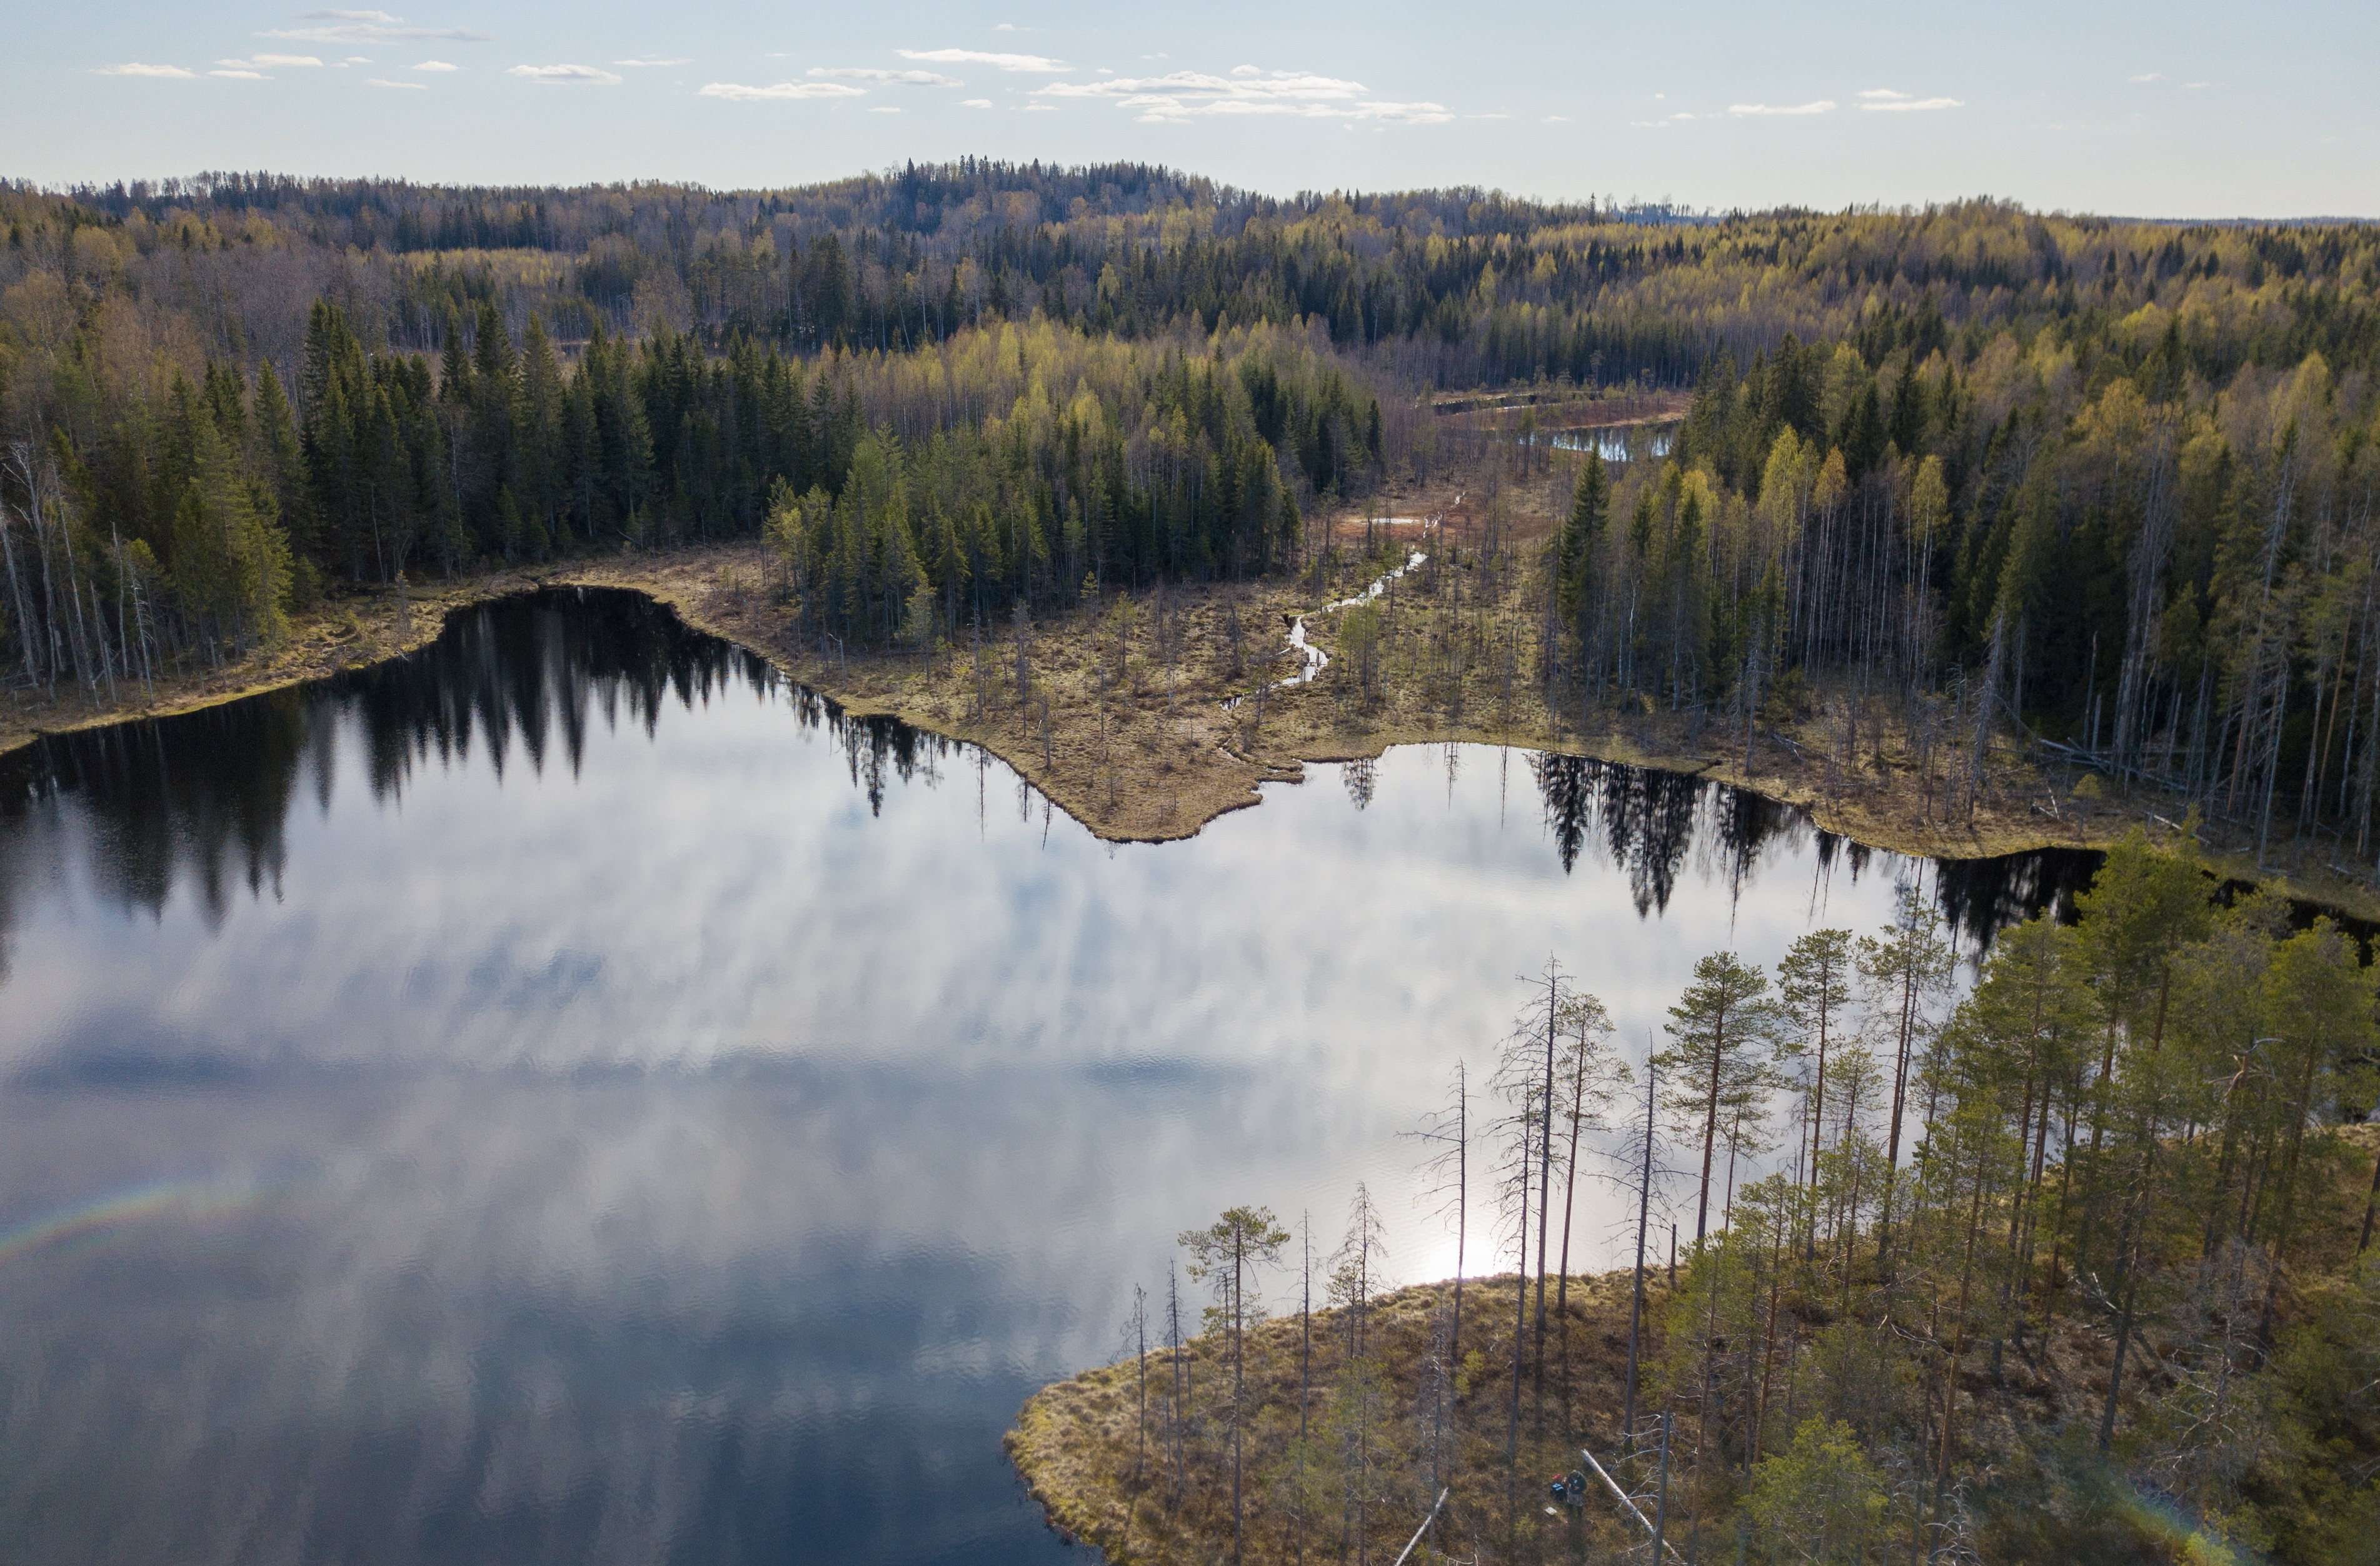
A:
x: 2077, y: 1268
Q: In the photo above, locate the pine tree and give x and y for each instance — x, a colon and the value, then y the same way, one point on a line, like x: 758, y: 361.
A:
x: 1721, y: 1049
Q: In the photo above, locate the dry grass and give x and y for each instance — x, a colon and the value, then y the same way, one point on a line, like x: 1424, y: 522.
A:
x: 1097, y: 1458
x: 1081, y: 1448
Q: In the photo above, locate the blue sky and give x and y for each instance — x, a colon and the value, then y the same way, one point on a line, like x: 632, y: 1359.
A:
x: 2169, y: 110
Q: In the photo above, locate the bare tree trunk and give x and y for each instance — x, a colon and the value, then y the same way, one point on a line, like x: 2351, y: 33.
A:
x: 1984, y: 711
x: 17, y: 594
x: 1520, y: 1320
x: 2150, y: 552
x: 1643, y: 1215
x: 1545, y: 1149
x: 2371, y: 1205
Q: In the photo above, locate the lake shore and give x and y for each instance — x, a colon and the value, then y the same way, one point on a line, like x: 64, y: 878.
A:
x: 1096, y: 1450
x: 1100, y: 1459
x: 1147, y: 715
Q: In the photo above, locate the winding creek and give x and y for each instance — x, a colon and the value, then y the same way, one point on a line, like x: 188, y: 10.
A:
x: 1312, y: 659
x: 567, y: 1095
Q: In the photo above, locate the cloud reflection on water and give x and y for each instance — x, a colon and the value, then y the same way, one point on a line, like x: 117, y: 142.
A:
x: 709, y: 1118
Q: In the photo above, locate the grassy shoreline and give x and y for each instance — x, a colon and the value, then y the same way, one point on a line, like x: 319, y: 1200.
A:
x: 1117, y: 709
x: 1100, y: 1467
x: 1116, y: 1461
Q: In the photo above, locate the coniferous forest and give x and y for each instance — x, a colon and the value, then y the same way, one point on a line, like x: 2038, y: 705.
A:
x: 2108, y: 481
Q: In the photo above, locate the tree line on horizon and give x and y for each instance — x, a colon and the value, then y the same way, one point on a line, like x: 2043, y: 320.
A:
x: 2074, y: 1264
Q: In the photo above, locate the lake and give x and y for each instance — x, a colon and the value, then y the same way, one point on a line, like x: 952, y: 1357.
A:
x: 569, y: 1095
x: 1613, y: 444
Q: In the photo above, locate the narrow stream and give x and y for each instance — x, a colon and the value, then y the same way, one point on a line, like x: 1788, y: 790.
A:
x: 1312, y: 659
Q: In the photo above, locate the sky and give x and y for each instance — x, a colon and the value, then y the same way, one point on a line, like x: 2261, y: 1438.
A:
x: 2172, y: 110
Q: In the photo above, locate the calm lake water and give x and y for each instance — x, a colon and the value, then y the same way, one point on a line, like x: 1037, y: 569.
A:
x: 1622, y: 445
x: 568, y: 1095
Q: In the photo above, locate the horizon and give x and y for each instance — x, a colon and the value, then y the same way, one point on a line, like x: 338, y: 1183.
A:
x: 2114, y: 111
x: 173, y: 186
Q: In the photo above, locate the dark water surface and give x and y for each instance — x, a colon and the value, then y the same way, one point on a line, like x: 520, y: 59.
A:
x: 567, y: 1096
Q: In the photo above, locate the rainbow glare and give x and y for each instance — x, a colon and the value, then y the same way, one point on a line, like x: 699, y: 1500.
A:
x: 101, y: 1219
x: 2192, y: 1542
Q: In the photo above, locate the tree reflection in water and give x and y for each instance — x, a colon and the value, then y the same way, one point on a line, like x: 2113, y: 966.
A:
x: 583, y: 1080
x: 207, y: 795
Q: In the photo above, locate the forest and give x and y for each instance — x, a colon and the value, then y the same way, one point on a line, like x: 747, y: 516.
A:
x: 2101, y: 486
x: 2075, y: 1266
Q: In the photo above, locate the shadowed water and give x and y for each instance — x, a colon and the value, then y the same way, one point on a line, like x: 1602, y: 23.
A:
x: 568, y: 1095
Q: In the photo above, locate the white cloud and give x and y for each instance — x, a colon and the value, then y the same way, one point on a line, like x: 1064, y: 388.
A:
x: 400, y: 86
x: 651, y: 62
x: 975, y: 102
x: 566, y: 76
x: 1247, y: 70
x: 1403, y: 113
x: 884, y: 109
x: 1882, y: 92
x: 1177, y: 95
x: 739, y: 93
x: 1036, y: 63
x: 1557, y: 119
x: 255, y: 65
x: 356, y: 60
x: 369, y: 26
x: 1916, y: 105
x: 137, y: 69
x: 1040, y: 108
x: 902, y: 79
x: 2151, y: 76
x: 1486, y: 117
x: 436, y: 66
x: 1822, y: 107
x: 1284, y: 87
